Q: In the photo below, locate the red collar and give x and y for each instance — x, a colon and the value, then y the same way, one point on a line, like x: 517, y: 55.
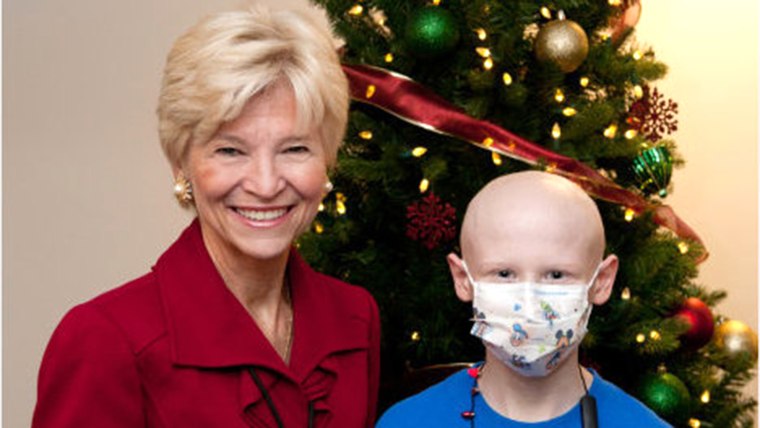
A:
x: 208, y: 327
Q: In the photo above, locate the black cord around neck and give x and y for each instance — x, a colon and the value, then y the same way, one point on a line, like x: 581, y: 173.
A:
x: 588, y: 402
x: 588, y: 405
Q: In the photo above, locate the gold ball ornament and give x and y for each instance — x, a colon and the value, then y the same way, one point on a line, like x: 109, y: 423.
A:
x: 735, y: 338
x: 562, y: 42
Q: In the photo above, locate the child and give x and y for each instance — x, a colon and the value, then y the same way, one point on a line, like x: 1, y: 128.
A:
x: 532, y: 264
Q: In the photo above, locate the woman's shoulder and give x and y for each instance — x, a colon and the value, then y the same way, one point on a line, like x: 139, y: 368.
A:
x: 131, y: 311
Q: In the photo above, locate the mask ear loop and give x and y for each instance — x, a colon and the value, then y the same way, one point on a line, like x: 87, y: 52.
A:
x: 588, y: 405
x: 467, y: 271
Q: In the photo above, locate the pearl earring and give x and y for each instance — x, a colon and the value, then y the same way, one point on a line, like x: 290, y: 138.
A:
x: 183, y: 190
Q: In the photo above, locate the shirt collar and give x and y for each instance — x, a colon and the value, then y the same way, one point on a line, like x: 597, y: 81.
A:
x: 208, y: 327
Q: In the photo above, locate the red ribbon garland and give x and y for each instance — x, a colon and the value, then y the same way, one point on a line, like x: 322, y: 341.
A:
x: 418, y: 105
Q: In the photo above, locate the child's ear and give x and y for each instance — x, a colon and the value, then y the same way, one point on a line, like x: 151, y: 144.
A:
x: 605, y: 279
x: 462, y: 285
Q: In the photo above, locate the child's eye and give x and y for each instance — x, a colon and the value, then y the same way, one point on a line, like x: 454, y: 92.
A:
x: 506, y: 273
x: 556, y: 275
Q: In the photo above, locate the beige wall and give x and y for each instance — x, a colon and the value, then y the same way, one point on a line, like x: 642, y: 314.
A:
x: 87, y: 194
x: 711, y: 49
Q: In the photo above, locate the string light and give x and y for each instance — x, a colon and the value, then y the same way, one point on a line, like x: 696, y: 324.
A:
x: 482, y: 35
x: 506, y: 78
x: 551, y: 167
x: 655, y: 335
x: 496, y: 158
x: 436, y: 2
x: 416, y: 336
x: 638, y: 92
x: 488, y: 142
x: 546, y: 13
x: 340, y: 205
x: 626, y: 294
x: 424, y: 185
x: 611, y: 131
x: 484, y: 52
x: 488, y: 63
x: 370, y: 91
x: 637, y: 55
x: 629, y: 214
x: 569, y: 111
x: 365, y: 135
x: 615, y: 2
x: 694, y: 423
x: 389, y: 57
x: 640, y: 338
x: 705, y: 397
x: 584, y: 81
x: 321, y: 207
x: 356, y: 10
x: 683, y: 247
x: 631, y: 133
x: 318, y: 227
x: 556, y: 131
x: 419, y: 151
x: 559, y: 96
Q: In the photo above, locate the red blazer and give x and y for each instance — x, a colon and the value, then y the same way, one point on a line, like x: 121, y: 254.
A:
x: 173, y: 348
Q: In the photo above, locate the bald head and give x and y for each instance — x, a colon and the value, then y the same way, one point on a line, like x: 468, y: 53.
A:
x: 536, y: 206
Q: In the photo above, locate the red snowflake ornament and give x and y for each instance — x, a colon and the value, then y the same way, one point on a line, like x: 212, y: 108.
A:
x: 431, y: 221
x: 653, y: 116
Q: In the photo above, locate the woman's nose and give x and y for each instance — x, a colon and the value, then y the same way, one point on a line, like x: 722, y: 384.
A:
x: 263, y: 178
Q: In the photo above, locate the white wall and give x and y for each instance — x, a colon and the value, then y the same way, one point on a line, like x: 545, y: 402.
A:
x: 87, y: 194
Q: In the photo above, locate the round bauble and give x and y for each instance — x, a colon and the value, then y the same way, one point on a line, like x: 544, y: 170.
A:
x: 666, y: 394
x: 653, y: 169
x: 698, y: 316
x: 562, y: 42
x: 431, y: 32
x: 627, y: 19
x: 735, y: 338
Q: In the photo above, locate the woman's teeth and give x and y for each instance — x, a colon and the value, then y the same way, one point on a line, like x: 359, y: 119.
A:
x: 261, y: 215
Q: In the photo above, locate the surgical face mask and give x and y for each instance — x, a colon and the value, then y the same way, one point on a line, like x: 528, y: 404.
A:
x: 530, y: 327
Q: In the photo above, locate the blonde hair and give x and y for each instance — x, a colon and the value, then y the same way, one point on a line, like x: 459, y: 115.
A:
x: 223, y: 61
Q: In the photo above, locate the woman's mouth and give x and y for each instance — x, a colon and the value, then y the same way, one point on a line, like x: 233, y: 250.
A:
x: 262, y: 215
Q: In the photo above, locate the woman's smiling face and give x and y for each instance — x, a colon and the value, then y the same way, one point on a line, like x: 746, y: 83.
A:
x: 257, y: 183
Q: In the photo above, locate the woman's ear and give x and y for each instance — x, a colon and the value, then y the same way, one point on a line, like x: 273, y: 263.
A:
x: 462, y: 285
x: 605, y: 279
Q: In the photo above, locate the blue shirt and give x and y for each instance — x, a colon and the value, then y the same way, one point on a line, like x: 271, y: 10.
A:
x: 442, y: 405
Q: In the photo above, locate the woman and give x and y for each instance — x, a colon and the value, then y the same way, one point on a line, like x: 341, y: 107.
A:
x: 231, y: 328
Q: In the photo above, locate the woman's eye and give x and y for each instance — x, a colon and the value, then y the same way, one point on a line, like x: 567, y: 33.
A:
x: 228, y: 151
x: 297, y: 149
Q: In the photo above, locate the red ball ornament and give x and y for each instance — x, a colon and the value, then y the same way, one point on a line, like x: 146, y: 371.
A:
x: 700, y: 320
x: 628, y: 18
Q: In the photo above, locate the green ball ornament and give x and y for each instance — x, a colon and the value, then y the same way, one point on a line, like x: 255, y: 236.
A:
x: 665, y: 394
x: 653, y: 169
x: 431, y: 32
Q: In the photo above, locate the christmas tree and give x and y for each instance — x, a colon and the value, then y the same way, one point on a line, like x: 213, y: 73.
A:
x: 452, y: 93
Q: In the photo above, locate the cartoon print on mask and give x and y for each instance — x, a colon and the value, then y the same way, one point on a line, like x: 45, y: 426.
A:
x: 518, y: 335
x: 563, y: 339
x: 481, y: 327
x: 553, y: 361
x: 519, y: 361
x: 549, y: 313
